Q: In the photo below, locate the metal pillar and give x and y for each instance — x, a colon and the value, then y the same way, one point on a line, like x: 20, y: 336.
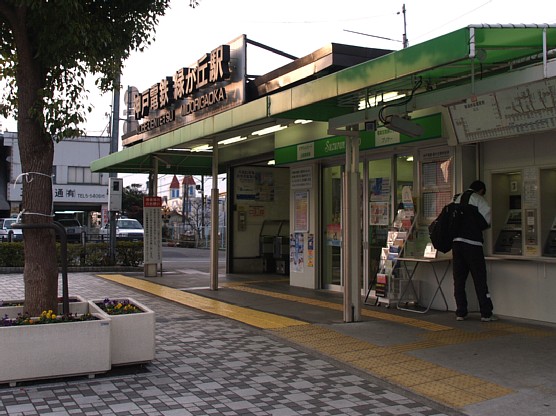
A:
x: 115, y: 123
x: 214, y: 206
x: 351, y: 231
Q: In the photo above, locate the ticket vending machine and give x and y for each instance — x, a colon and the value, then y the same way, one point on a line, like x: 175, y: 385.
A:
x: 509, y: 239
x: 507, y: 213
x: 547, y: 204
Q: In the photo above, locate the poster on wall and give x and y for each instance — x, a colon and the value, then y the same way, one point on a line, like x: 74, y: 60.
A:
x: 301, y: 211
x: 296, y: 252
x: 334, y: 234
x: 380, y: 189
x: 301, y: 177
x: 254, y: 184
x: 379, y: 213
x: 265, y: 186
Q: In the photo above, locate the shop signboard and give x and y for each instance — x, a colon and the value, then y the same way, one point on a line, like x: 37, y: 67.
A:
x: 67, y: 193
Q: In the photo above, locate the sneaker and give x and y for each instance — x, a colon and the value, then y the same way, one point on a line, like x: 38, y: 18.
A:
x: 460, y: 318
x: 489, y: 319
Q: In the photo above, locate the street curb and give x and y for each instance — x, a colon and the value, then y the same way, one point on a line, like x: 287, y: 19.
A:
x: 92, y: 269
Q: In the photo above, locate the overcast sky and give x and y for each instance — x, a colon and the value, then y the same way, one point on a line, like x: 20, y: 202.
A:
x: 299, y: 27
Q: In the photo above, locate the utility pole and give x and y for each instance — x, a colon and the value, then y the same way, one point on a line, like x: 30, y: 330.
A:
x: 183, y: 204
x: 114, y: 149
x: 405, y: 43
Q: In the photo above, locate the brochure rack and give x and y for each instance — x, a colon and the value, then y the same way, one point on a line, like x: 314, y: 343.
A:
x: 391, y: 280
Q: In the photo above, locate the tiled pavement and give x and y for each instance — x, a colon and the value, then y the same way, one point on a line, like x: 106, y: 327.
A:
x: 204, y: 365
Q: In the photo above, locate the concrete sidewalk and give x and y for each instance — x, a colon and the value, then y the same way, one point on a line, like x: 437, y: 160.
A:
x: 392, y: 362
x: 497, y: 368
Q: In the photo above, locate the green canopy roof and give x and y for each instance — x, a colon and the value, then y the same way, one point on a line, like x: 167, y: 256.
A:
x: 460, y: 58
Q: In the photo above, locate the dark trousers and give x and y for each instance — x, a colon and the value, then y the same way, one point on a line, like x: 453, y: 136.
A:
x: 468, y: 258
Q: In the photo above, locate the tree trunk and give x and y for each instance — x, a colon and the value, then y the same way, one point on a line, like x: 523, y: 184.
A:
x: 36, y: 150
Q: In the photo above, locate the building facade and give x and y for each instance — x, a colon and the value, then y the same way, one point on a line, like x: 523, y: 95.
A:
x: 77, y: 191
x: 326, y: 160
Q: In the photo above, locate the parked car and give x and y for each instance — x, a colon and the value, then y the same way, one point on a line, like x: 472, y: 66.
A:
x: 126, y: 229
x: 7, y: 233
x: 74, y: 229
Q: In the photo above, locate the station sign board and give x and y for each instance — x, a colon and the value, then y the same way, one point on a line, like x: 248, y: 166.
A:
x: 212, y: 84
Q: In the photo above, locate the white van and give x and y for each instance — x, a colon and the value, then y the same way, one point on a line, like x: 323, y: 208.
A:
x: 126, y: 229
x: 7, y: 233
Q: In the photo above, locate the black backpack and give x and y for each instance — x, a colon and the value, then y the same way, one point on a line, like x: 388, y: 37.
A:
x: 447, y: 225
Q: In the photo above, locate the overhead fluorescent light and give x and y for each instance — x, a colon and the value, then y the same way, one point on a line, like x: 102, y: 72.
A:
x: 269, y: 130
x: 303, y: 121
x: 232, y: 140
x: 271, y: 162
x: 380, y: 99
x: 202, y: 148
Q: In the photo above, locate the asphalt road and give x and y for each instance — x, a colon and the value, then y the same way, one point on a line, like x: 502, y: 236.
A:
x: 189, y: 260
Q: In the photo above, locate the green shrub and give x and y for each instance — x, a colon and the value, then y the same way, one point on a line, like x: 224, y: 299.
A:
x: 11, y: 254
x: 92, y: 255
x: 129, y: 253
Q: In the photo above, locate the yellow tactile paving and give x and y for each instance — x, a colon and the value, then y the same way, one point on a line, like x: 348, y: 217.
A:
x: 434, y: 388
x: 369, y: 354
x: 417, y: 345
x: 388, y: 371
x: 457, y: 336
x: 331, y: 305
x: 457, y: 398
x: 249, y: 316
x: 392, y: 363
x: 416, y: 364
x: 335, y: 306
x: 412, y: 378
x: 333, y: 349
x: 305, y: 333
x: 368, y: 364
x: 489, y: 390
x: 463, y: 381
x: 515, y: 329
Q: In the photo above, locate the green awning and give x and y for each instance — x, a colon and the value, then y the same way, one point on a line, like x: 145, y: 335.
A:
x: 455, y: 59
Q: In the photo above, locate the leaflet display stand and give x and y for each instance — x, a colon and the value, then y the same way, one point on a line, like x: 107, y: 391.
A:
x: 389, y: 283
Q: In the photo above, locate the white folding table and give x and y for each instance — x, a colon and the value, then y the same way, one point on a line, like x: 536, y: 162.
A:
x: 439, y: 276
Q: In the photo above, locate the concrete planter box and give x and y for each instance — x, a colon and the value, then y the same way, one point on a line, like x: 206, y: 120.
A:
x: 133, y: 335
x: 33, y: 352
x: 77, y: 305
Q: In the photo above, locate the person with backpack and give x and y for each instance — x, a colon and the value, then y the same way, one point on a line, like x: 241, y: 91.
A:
x: 467, y: 251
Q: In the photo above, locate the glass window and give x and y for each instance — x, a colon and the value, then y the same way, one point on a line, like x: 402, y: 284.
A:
x: 331, y: 211
x: 437, y: 172
x: 83, y: 175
